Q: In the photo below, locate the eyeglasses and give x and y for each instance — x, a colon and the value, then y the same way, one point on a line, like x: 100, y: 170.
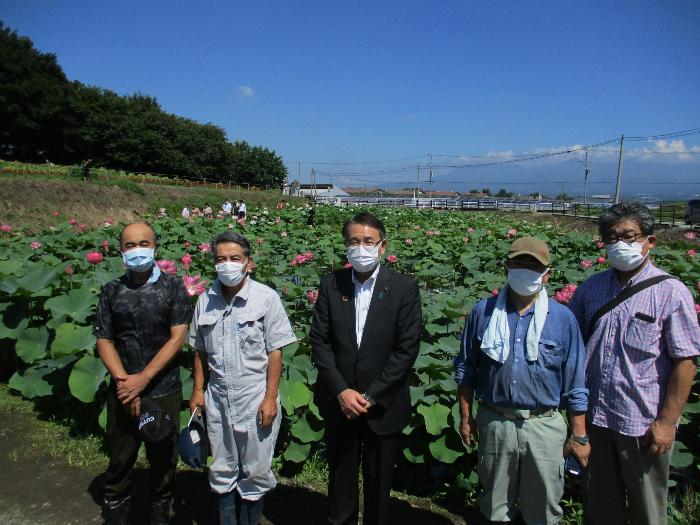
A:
x: 370, y: 244
x: 628, y: 238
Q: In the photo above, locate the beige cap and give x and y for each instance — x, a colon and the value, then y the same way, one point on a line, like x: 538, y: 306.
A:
x: 530, y: 246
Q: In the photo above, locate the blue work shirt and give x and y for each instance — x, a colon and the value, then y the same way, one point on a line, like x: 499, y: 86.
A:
x: 556, y: 379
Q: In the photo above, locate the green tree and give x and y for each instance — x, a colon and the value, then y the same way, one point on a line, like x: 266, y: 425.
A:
x: 34, y: 95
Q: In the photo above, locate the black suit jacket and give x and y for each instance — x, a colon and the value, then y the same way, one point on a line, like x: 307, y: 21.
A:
x: 382, y: 364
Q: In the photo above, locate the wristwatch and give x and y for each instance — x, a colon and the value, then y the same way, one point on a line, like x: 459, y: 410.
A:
x: 581, y: 440
x: 368, y: 398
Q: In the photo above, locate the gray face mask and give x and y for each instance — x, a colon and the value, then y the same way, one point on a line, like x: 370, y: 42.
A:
x: 231, y: 273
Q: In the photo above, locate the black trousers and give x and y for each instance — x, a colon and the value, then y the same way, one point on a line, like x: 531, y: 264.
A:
x: 123, y: 441
x: 351, y: 443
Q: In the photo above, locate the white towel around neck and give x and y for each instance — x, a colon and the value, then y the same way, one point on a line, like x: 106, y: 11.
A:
x: 496, y: 340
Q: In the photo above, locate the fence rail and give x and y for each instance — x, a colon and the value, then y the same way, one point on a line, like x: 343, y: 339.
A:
x: 666, y: 214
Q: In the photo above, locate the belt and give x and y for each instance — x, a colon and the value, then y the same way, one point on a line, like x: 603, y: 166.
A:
x: 516, y: 413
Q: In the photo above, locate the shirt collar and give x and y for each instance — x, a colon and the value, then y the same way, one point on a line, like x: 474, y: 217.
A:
x: 369, y: 280
x: 155, y: 274
x: 637, y: 277
x: 243, y: 293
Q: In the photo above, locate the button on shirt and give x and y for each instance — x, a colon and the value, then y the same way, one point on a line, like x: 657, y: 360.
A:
x: 363, y: 298
x: 556, y: 379
x: 628, y: 358
x: 237, y: 339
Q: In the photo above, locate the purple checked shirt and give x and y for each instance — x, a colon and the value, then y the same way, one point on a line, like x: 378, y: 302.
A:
x: 630, y: 351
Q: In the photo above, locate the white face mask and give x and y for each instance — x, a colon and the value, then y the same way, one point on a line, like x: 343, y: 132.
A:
x: 230, y: 273
x: 363, y: 259
x: 525, y: 282
x: 625, y: 257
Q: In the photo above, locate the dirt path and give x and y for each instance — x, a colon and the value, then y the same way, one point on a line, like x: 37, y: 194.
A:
x: 42, y: 490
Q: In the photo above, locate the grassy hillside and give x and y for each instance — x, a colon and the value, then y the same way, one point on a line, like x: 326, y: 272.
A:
x: 29, y: 200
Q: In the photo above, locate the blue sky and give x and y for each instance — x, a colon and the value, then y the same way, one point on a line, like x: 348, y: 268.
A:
x: 369, y: 80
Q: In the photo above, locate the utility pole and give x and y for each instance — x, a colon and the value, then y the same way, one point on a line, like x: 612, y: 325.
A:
x: 430, y: 179
x: 619, y: 171
x: 299, y: 170
x: 586, y: 171
x: 417, y: 192
x: 313, y: 183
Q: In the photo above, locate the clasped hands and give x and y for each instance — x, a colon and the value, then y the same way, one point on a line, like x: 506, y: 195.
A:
x: 352, y: 403
x: 129, y: 386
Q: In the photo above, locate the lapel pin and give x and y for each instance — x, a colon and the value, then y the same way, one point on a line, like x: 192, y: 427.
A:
x: 344, y: 298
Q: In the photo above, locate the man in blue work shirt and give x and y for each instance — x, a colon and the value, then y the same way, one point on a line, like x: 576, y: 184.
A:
x: 522, y: 355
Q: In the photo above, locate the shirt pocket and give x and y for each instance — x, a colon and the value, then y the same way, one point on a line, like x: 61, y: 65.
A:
x: 251, y: 331
x: 550, y: 354
x: 642, y: 336
x: 206, y: 325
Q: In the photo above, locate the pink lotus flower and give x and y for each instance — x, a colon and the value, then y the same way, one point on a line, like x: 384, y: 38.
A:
x: 417, y: 227
x: 109, y: 221
x: 283, y: 234
x: 600, y: 260
x: 72, y: 222
x: 600, y: 245
x: 194, y: 285
x: 55, y: 214
x: 691, y: 253
x: 93, y: 257
x: 690, y: 235
x: 312, y: 296
x: 260, y: 240
x: 82, y: 227
x: 565, y: 294
x: 302, y: 258
x: 391, y: 259
x: 470, y: 230
x: 495, y: 291
x: 69, y: 270
x: 408, y: 241
x: 187, y: 245
x: 204, y: 247
x: 347, y: 265
x: 277, y: 220
x: 465, y: 239
x: 511, y: 233
x: 241, y: 221
x: 432, y: 232
x: 35, y: 245
x: 105, y: 244
x: 186, y: 261
x: 586, y: 264
x: 5, y: 228
x: 167, y: 266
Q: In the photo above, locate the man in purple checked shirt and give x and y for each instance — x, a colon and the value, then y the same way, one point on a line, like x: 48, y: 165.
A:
x: 640, y: 365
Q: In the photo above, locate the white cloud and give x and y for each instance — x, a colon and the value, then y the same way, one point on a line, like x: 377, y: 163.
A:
x: 246, y: 91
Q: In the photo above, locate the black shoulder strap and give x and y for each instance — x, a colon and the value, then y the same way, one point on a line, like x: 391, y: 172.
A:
x: 622, y: 297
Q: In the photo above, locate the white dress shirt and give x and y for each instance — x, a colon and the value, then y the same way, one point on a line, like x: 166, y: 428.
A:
x: 363, y: 296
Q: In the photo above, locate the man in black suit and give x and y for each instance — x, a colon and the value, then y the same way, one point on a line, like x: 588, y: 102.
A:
x: 365, y: 338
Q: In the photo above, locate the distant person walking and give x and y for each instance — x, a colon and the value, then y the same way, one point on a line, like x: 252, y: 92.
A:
x: 242, y: 210
x: 86, y: 170
x: 185, y: 213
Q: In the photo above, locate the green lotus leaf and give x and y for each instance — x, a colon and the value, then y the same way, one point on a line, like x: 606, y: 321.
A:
x: 303, y: 431
x: 37, y: 278
x: 297, y: 452
x: 440, y: 451
x: 72, y: 339
x: 86, y: 377
x: 681, y: 456
x: 32, y: 383
x: 31, y: 344
x: 76, y: 304
x: 435, y: 417
x: 293, y: 395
